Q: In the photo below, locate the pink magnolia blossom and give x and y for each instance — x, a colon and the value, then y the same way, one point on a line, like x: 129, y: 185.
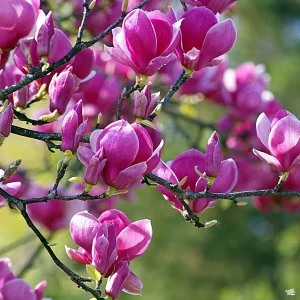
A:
x: 145, y: 42
x: 73, y: 128
x: 213, y: 156
x: 184, y: 166
x: 247, y: 90
x: 109, y: 243
x: 17, y: 18
x: 281, y: 140
x: 203, y: 38
x: 144, y: 102
x: 61, y: 89
x: 6, y: 120
x: 216, y: 6
x: 12, y: 288
x: 121, y: 170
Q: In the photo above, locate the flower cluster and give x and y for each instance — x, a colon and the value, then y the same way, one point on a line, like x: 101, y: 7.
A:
x: 109, y: 243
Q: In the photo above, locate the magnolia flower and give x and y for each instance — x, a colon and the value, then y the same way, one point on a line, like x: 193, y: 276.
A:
x: 145, y: 42
x: 203, y: 38
x: 142, y: 156
x: 216, y: 6
x: 144, y: 102
x: 281, y: 139
x: 61, y: 89
x: 109, y: 243
x: 183, y: 168
x: 6, y: 120
x: 213, y: 156
x: 12, y: 288
x: 73, y: 129
x: 17, y: 18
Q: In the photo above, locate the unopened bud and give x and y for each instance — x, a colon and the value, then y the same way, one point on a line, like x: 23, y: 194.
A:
x: 124, y: 6
x: 92, y: 4
x: 210, y: 223
x: 12, y: 168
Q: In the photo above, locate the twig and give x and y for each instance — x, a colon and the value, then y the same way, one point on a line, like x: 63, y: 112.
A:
x: 126, y: 92
x: 86, y: 11
x: 184, y: 76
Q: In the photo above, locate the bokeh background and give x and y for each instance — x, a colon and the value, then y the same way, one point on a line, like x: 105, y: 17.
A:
x: 249, y: 255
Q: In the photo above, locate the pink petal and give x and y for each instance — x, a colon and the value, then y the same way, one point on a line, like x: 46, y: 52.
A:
x: 117, y: 217
x: 154, y: 160
x: 227, y: 178
x: 163, y: 171
x: 77, y: 256
x: 133, y: 285
x: 18, y: 289
x: 194, y: 27
x: 84, y: 227
x: 284, y: 141
x: 156, y: 63
x: 85, y: 155
x: 268, y: 159
x: 39, y: 289
x: 163, y: 30
x: 134, y: 239
x: 115, y: 137
x: 12, y: 188
x: 94, y: 140
x: 145, y: 144
x: 263, y: 127
x: 219, y: 40
x: 126, y: 176
x: 184, y: 165
x: 136, y: 27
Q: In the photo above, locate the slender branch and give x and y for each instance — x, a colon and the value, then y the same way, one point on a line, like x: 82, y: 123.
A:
x: 126, y: 92
x: 184, y: 76
x: 23, y: 117
x: 192, y: 196
x: 183, y: 6
x: 27, y: 79
x: 60, y: 174
x: 21, y: 206
x: 86, y: 11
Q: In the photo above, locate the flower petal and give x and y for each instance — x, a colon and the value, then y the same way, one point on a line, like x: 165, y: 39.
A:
x: 84, y: 227
x: 17, y: 289
x: 268, y: 159
x: 133, y: 285
x: 263, y: 127
x: 134, y: 239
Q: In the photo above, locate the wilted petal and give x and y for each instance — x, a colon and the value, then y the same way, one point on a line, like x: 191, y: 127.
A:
x: 134, y: 239
x: 84, y: 227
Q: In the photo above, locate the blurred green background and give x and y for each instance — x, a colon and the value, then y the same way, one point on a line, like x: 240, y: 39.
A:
x: 249, y: 255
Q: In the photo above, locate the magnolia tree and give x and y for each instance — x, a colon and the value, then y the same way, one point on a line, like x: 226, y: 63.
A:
x: 106, y: 79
